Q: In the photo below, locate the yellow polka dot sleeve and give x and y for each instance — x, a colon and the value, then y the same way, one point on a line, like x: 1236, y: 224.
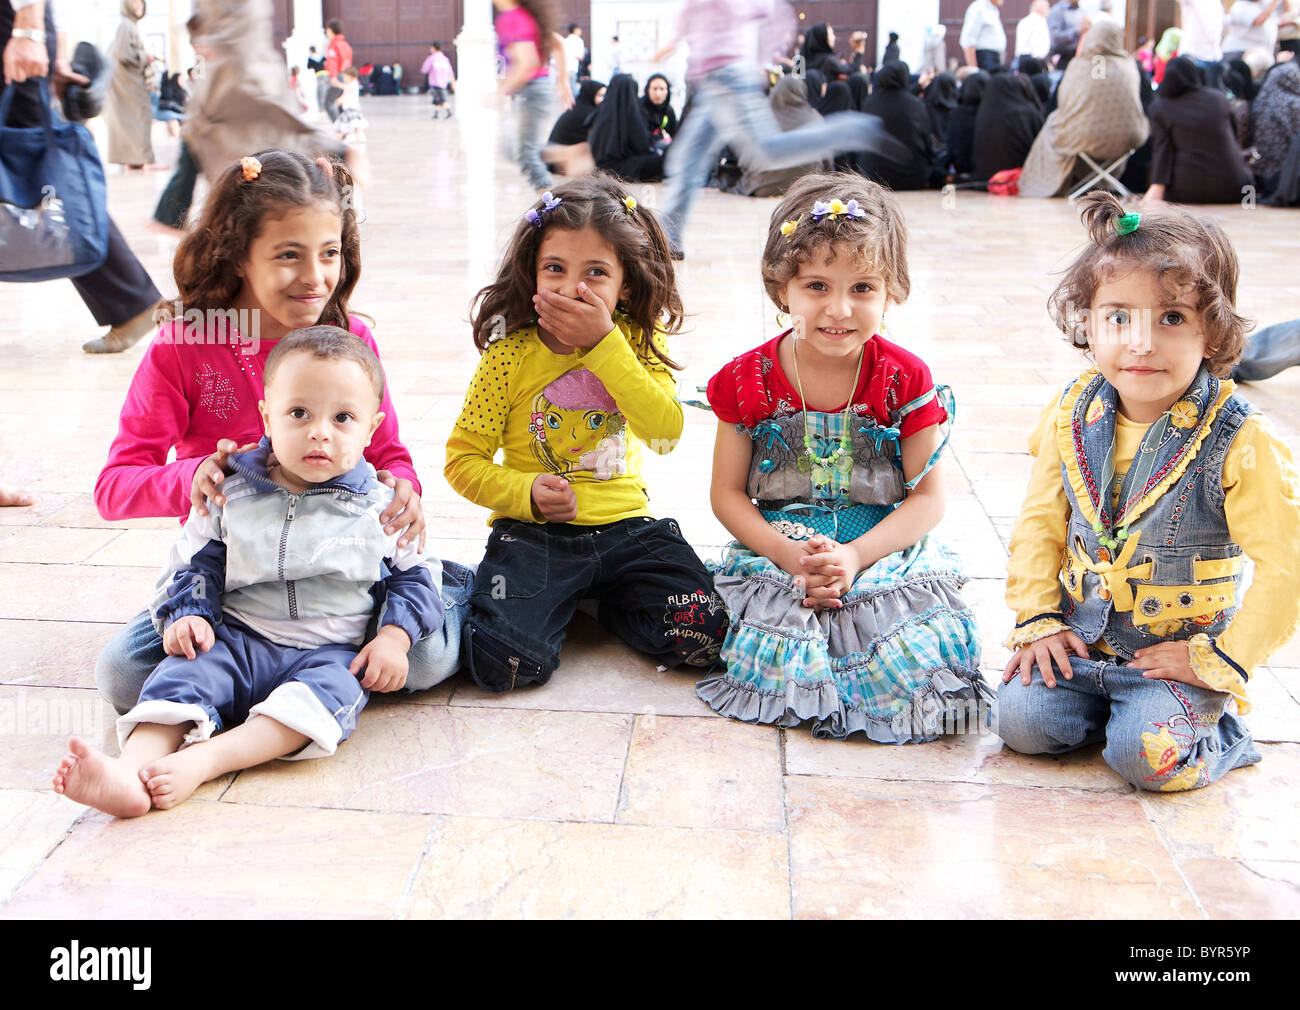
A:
x: 487, y: 402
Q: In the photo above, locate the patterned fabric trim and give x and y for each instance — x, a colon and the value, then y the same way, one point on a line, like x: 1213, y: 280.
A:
x: 1070, y: 445
x: 1215, y: 669
x: 1034, y: 629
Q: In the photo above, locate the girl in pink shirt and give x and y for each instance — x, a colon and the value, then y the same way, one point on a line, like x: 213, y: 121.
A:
x: 277, y: 249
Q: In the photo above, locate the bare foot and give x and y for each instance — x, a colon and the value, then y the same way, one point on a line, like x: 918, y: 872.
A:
x: 171, y: 780
x: 97, y: 780
x: 13, y: 498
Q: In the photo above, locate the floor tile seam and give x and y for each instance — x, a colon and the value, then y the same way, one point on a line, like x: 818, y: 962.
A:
x: 1073, y: 790
x: 1174, y: 857
x: 785, y: 818
x: 40, y: 863
x: 498, y: 817
x: 405, y: 897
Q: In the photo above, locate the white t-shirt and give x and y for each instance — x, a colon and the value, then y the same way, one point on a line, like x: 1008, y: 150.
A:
x: 1202, y: 30
x: 1032, y: 37
x: 574, y: 50
x: 982, y: 27
x: 1242, y: 33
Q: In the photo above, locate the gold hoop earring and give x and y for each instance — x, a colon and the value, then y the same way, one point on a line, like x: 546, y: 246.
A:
x: 783, y: 320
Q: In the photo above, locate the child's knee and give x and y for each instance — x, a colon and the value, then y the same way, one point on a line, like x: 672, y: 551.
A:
x: 696, y: 628
x: 1026, y: 724
x: 499, y: 665
x: 1155, y: 757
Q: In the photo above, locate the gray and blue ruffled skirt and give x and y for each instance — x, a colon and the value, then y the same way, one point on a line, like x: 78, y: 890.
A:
x: 899, y: 662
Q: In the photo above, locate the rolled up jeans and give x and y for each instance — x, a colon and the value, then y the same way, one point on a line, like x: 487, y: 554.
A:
x: 1269, y: 351
x: 729, y: 107
x: 134, y: 652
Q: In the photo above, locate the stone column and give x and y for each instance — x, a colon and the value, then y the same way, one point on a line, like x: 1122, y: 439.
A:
x: 308, y: 30
x: 478, y: 115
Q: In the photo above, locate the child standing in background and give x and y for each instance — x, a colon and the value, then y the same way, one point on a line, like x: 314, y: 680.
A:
x: 1152, y: 478
x: 575, y: 377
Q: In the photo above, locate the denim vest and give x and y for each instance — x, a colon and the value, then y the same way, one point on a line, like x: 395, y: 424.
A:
x: 1178, y: 572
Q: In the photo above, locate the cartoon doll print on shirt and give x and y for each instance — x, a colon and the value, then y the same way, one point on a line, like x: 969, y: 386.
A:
x: 577, y: 428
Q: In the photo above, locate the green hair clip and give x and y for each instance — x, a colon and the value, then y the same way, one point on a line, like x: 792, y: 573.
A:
x: 1128, y: 224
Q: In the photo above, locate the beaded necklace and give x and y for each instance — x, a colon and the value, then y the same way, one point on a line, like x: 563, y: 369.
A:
x: 841, y: 452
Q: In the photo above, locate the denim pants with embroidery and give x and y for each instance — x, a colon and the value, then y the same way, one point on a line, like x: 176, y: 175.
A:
x: 1160, y: 735
x: 648, y: 585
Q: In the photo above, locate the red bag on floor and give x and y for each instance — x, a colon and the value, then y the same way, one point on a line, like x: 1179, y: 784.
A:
x: 1006, y: 183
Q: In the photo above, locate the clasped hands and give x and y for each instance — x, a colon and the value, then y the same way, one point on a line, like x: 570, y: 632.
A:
x: 824, y: 568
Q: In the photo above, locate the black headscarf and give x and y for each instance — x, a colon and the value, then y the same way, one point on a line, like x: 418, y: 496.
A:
x: 818, y: 54
x: 838, y: 99
x: 940, y: 100
x: 1009, y: 119
x: 860, y: 88
x: 1181, y: 76
x: 618, y: 130
x: 1238, y: 80
x: 1036, y: 70
x: 891, y: 50
x: 572, y: 126
x: 960, y: 136
x: 904, y: 117
x: 815, y: 82
x: 659, y: 117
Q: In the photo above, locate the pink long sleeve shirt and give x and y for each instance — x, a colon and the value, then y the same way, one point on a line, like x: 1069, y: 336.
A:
x: 188, y: 396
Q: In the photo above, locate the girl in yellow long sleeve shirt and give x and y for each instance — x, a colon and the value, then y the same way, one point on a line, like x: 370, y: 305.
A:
x: 574, y: 380
x: 1151, y: 479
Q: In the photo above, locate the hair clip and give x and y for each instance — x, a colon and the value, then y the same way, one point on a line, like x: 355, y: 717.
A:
x: 549, y: 203
x: 630, y: 204
x: 1128, y: 224
x: 326, y: 166
x: 836, y: 208
x: 251, y: 167
x: 788, y: 227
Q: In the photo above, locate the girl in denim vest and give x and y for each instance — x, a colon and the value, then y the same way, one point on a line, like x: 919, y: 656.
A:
x: 1152, y: 477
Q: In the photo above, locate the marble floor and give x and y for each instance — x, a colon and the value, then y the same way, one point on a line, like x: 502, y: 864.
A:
x: 611, y: 791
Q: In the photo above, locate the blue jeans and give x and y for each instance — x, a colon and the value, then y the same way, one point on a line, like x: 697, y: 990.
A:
x: 535, y: 109
x: 729, y: 107
x: 1160, y: 735
x: 1270, y: 351
x: 135, y: 651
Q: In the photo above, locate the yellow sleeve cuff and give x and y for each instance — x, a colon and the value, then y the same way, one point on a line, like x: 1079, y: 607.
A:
x: 1032, y: 631
x: 1211, y: 668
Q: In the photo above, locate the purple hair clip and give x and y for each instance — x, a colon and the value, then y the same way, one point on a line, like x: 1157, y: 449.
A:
x: 836, y: 208
x: 549, y: 203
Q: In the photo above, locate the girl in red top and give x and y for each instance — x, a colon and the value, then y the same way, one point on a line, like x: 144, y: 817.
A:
x: 843, y: 611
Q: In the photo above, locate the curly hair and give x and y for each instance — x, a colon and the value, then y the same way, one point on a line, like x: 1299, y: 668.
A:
x: 1183, y: 250
x: 596, y: 201
x: 208, y: 257
x: 877, y: 240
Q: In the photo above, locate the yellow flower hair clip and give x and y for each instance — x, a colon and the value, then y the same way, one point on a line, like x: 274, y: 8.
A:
x: 251, y: 168
x: 630, y: 204
x: 787, y: 228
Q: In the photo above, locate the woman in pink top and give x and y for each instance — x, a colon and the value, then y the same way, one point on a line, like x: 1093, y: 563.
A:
x: 526, y: 36
x: 277, y: 249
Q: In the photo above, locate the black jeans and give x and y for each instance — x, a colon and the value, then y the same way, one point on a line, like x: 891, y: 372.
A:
x: 119, y: 289
x: 653, y: 592
x: 988, y: 59
x: 174, y: 204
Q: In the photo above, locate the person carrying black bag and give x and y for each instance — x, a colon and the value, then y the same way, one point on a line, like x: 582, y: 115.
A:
x: 119, y: 293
